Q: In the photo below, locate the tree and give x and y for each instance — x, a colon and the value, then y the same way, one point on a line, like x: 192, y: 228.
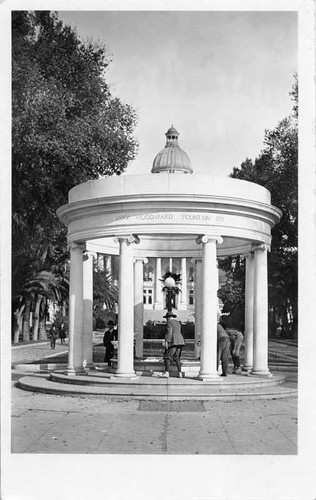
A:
x: 67, y: 128
x: 34, y: 280
x: 105, y: 292
x: 232, y: 292
x: 276, y: 168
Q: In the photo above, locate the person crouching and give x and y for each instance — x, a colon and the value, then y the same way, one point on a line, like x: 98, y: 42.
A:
x: 223, y: 344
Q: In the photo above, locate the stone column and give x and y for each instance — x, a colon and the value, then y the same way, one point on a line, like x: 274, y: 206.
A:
x: 260, y: 311
x: 170, y: 264
x: 100, y: 261
x: 75, y: 310
x: 139, y: 306
x: 218, y: 314
x: 249, y: 290
x: 108, y: 264
x: 198, y: 300
x: 208, y: 369
x: 183, y: 302
x: 158, y: 286
x: 87, y: 308
x: 125, y: 355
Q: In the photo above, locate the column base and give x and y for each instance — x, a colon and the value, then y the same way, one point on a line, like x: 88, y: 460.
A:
x: 208, y: 376
x: 75, y: 371
x: 262, y: 373
x: 129, y: 376
x: 247, y: 368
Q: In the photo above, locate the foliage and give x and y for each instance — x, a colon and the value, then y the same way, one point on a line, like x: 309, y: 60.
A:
x: 105, y: 292
x: 67, y: 128
x: 154, y: 330
x: 276, y: 168
x: 232, y: 294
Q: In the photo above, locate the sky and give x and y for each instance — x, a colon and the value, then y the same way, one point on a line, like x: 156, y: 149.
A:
x: 221, y: 78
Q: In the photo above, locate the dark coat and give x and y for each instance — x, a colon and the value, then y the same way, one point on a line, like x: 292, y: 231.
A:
x: 53, y: 332
x: 174, y: 335
x: 221, y: 332
x: 108, y: 337
x: 62, y: 331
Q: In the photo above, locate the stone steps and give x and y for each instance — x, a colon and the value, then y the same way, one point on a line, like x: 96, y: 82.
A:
x: 104, y: 384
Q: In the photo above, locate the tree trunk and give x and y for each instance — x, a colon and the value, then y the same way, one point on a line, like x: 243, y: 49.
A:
x: 26, y: 321
x: 36, y: 316
x: 17, y: 324
x: 285, y: 322
x: 295, y: 321
x: 42, y: 335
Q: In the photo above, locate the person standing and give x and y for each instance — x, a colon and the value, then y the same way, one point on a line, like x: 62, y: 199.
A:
x: 53, y: 336
x: 174, y: 343
x: 62, y: 332
x: 222, y: 349
x: 110, y: 335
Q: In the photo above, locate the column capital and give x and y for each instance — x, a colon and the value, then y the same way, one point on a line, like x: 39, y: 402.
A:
x: 263, y: 246
x: 249, y: 255
x: 129, y: 238
x: 206, y: 238
x: 144, y: 260
x: 76, y: 246
x: 194, y: 260
x: 89, y: 253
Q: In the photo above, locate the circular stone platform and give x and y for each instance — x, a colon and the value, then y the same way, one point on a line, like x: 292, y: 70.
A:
x: 98, y: 382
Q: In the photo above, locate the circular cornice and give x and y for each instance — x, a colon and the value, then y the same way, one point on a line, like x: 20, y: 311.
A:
x: 240, y: 212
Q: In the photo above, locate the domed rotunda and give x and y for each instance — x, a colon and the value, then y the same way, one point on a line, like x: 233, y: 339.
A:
x: 170, y: 223
x: 172, y: 159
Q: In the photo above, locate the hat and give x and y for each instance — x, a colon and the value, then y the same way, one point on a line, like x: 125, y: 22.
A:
x: 110, y: 322
x: 170, y: 315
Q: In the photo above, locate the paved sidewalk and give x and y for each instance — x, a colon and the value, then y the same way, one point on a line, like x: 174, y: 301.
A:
x: 64, y: 424
x: 33, y: 352
x: 43, y: 423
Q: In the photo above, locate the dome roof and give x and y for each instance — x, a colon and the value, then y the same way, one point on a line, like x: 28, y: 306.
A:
x: 172, y: 158
x: 171, y: 131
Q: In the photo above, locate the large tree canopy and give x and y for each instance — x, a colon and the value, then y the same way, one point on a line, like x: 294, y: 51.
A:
x: 67, y: 128
x: 276, y: 168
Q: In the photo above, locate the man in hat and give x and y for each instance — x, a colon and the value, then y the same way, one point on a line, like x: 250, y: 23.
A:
x: 174, y: 343
x: 109, y: 336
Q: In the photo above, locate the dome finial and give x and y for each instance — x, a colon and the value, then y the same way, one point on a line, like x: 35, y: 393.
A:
x: 172, y: 158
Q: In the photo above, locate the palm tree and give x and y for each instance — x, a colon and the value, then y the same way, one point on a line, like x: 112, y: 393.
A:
x: 105, y: 290
x: 35, y: 279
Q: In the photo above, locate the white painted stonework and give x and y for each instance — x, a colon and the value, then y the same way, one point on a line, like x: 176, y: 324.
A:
x: 173, y: 205
x: 174, y: 216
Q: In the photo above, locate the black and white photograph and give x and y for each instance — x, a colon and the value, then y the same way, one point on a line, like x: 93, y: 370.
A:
x: 158, y: 250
